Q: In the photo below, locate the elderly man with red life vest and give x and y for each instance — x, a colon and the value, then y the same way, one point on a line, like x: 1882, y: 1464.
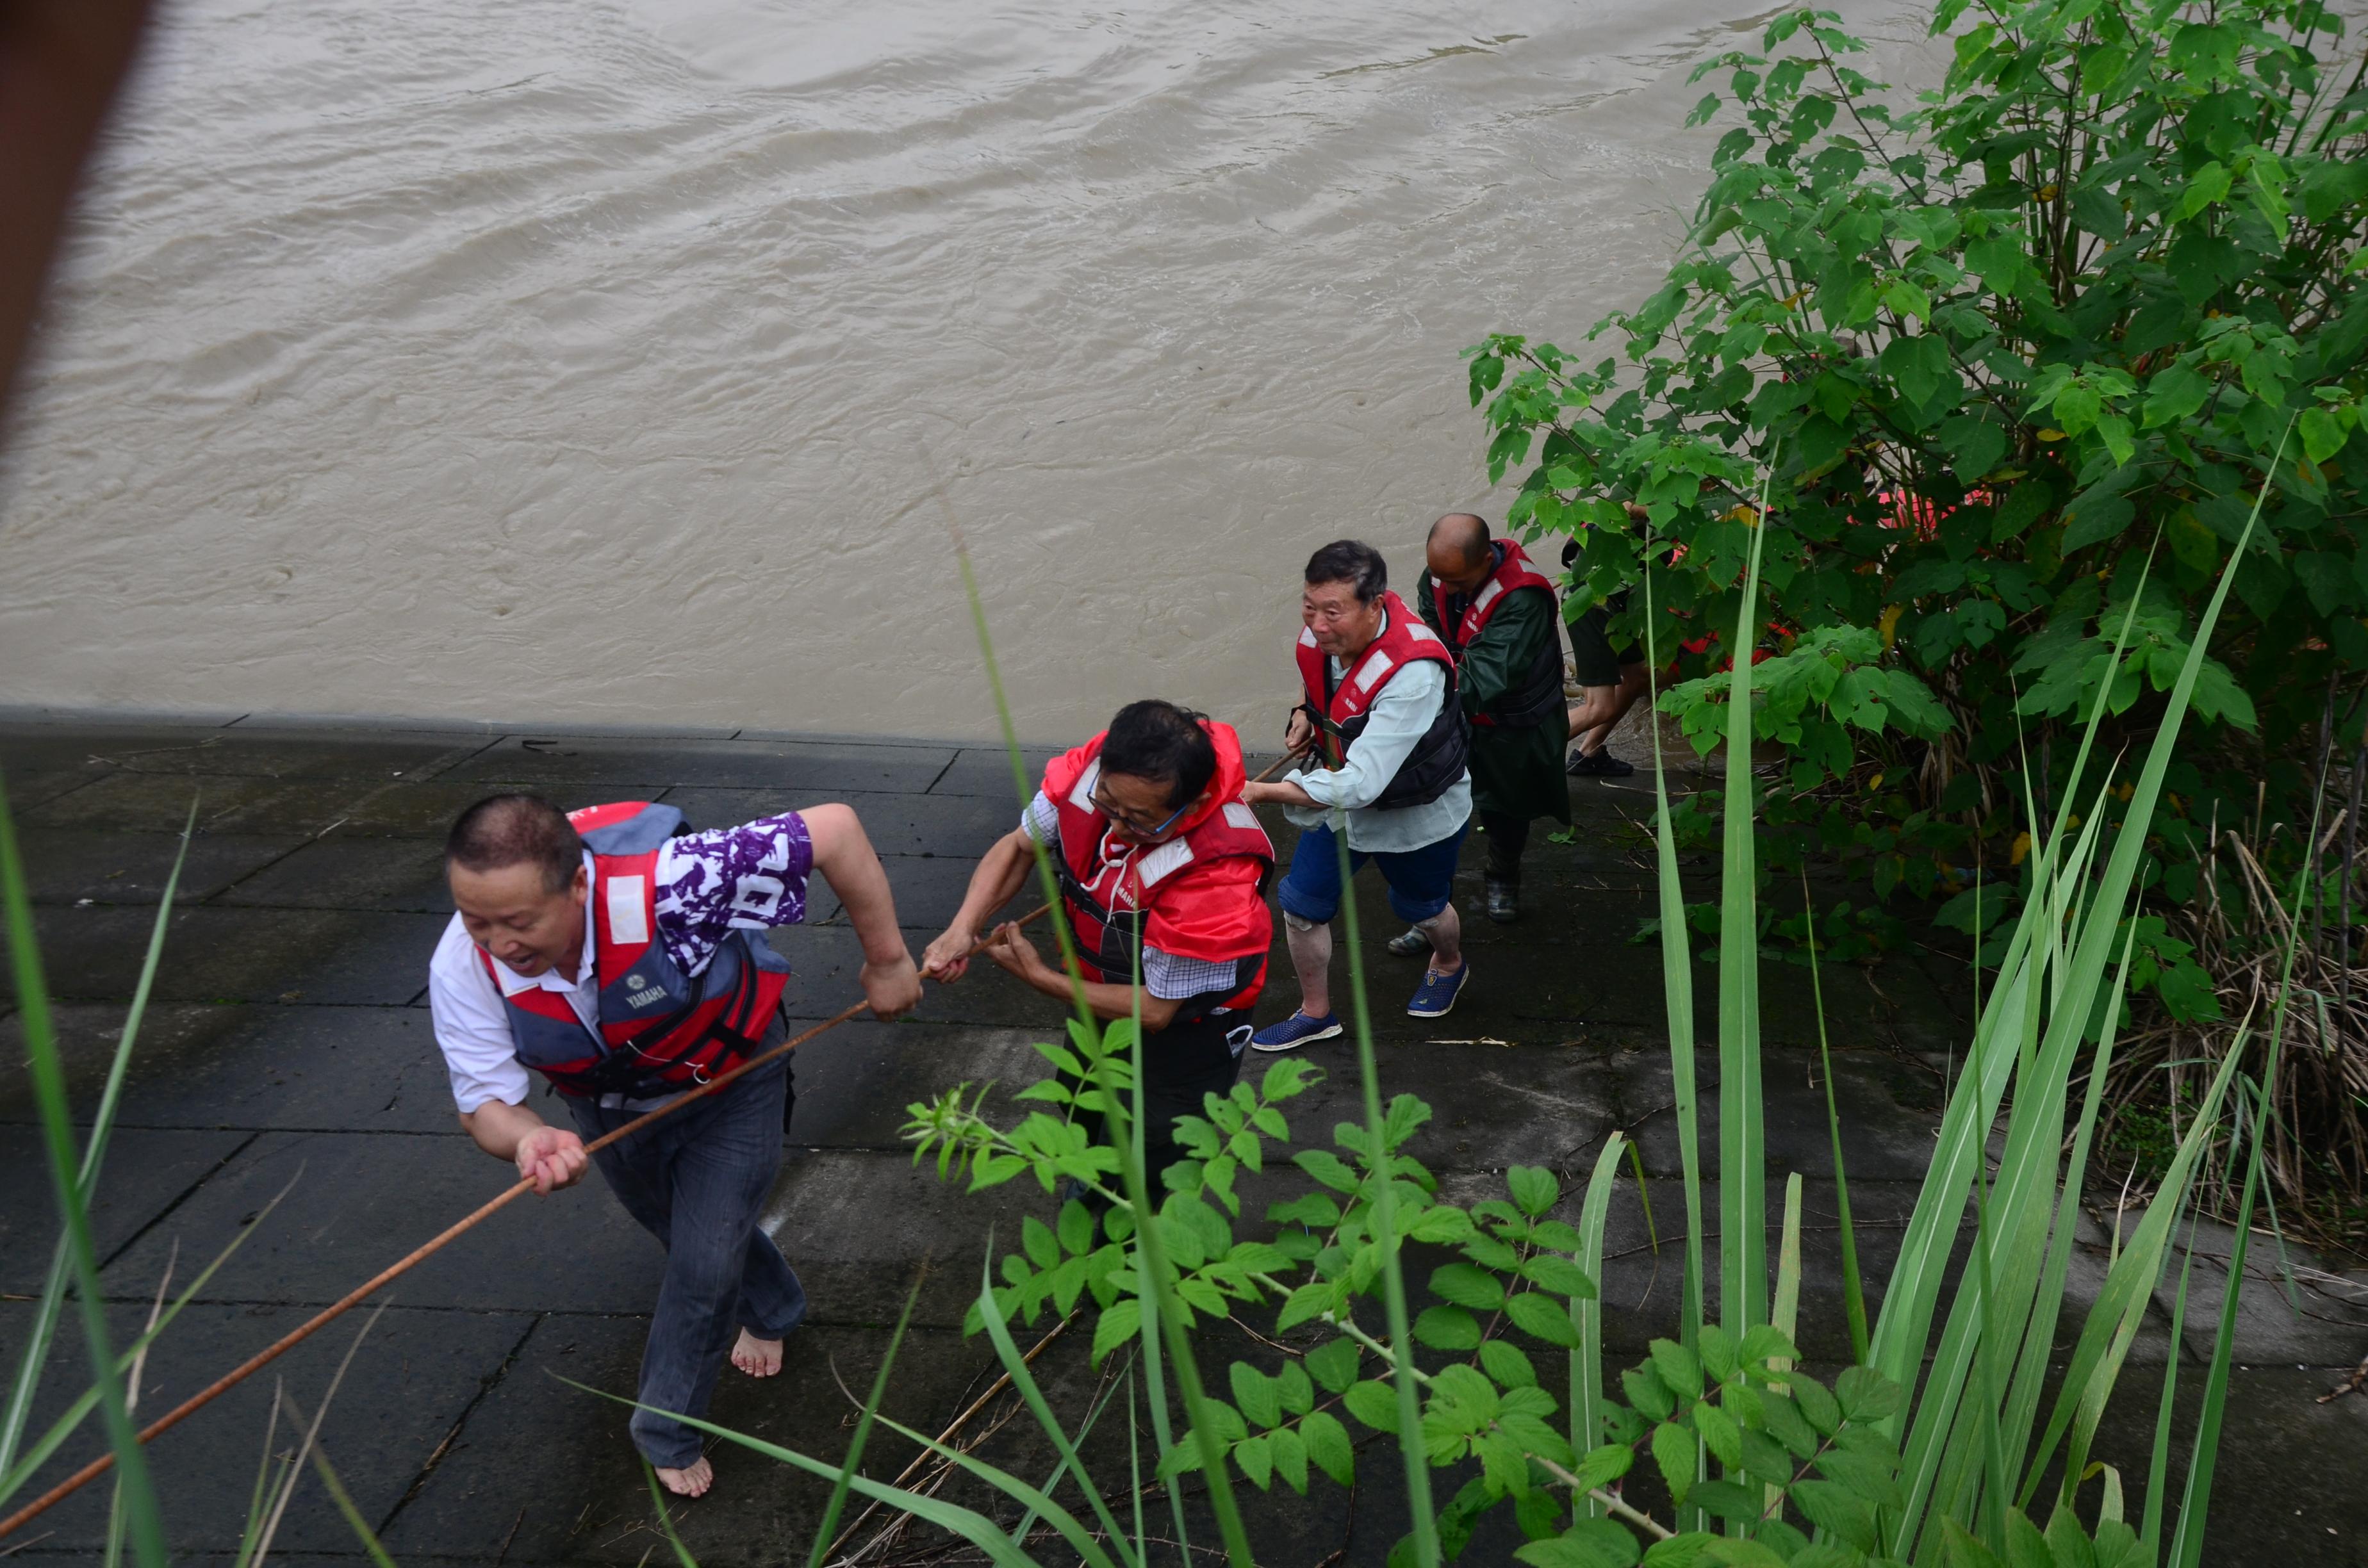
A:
x: 617, y: 955
x: 1163, y: 873
x: 1382, y: 716
x: 1496, y: 613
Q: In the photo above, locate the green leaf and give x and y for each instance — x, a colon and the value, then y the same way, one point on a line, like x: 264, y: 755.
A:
x: 1326, y: 1167
x: 1447, y: 1328
x: 1290, y: 1457
x: 1679, y: 1367
x: 1674, y: 1450
x: 1254, y: 1456
x: 1542, y: 1316
x: 1534, y: 1188
x: 1120, y: 1323
x: 1036, y: 1238
x: 1297, y: 1394
x: 1719, y: 1433
x: 1834, y: 1509
x: 1374, y: 1404
x: 1725, y: 1500
x: 2094, y: 519
x: 1974, y: 446
x: 1333, y: 1364
x: 1866, y: 1395
x: 1816, y: 1403
x: 1077, y: 1228
x: 1258, y: 1396
x: 1591, y: 1543
x: 1506, y: 1363
x: 1467, y: 1286
x: 1551, y: 1271
x: 2322, y: 433
x: 1328, y: 1446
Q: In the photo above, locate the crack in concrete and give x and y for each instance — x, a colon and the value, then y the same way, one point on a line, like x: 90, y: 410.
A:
x: 485, y: 1385
x: 164, y: 1213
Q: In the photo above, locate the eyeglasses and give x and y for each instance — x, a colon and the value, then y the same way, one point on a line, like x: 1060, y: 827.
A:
x: 1126, y: 821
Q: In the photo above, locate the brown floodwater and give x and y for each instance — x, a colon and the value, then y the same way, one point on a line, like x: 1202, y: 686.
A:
x: 565, y: 362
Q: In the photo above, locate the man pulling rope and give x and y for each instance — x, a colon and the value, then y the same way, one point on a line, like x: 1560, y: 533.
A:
x: 616, y: 956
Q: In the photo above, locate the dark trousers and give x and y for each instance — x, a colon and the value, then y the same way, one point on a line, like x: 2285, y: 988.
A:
x: 1181, y: 1065
x: 1507, y: 837
x: 697, y: 1181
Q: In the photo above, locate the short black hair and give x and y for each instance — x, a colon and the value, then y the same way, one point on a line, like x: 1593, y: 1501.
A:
x: 1353, y: 562
x: 508, y: 830
x: 1152, y: 739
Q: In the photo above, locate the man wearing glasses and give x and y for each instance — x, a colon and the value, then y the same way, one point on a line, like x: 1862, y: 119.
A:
x: 1163, y: 872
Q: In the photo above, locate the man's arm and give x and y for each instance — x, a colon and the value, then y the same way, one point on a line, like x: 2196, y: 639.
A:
x: 843, y: 854
x: 489, y: 1086
x: 1396, y: 722
x: 1000, y: 875
x: 1013, y: 952
x: 551, y: 1157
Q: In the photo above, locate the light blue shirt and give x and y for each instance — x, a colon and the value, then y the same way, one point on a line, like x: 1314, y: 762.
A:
x: 1399, y: 717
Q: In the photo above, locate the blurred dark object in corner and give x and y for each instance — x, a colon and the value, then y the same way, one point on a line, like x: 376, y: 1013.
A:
x: 61, y: 63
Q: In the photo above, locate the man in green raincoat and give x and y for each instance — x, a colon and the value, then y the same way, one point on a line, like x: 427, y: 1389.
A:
x: 1497, y: 615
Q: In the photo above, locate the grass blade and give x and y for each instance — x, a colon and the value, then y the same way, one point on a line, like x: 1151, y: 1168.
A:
x: 147, y: 1528
x: 665, y: 1520
x: 1025, y: 1381
x: 1385, y: 1230
x: 1853, y: 1293
x: 1677, y: 990
x: 966, y: 1523
x: 1742, y: 1135
x: 2158, y: 1465
x: 1587, y: 1406
x: 19, y: 1408
x: 828, y: 1531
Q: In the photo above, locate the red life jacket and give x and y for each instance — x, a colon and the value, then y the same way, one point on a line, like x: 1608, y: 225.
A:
x: 660, y: 1029
x: 1436, y: 761
x: 1119, y: 895
x: 1539, y: 692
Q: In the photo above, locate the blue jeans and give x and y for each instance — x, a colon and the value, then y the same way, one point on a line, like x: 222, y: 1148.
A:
x: 1420, y: 881
x: 697, y: 1181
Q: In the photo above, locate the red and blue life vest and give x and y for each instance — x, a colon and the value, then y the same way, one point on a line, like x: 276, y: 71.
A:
x: 660, y: 1029
x: 1459, y: 621
x: 1340, y: 713
x: 1199, y: 896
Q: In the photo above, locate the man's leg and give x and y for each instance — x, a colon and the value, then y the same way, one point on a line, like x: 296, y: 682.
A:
x: 1422, y: 888
x: 1606, y: 706
x: 1310, y: 895
x: 1508, y: 835
x: 1182, y: 1064
x: 772, y: 1302
x: 722, y: 1165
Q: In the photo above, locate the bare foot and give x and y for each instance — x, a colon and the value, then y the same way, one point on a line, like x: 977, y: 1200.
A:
x: 757, y: 1358
x: 691, y: 1480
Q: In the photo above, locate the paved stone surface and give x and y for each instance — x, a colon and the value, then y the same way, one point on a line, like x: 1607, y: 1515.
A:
x: 285, y: 1094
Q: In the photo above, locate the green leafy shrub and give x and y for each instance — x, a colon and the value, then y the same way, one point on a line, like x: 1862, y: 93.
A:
x: 2020, y: 351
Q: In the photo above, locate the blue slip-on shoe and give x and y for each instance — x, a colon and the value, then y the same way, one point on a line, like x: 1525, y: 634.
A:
x: 1436, y: 998
x: 1296, y: 1032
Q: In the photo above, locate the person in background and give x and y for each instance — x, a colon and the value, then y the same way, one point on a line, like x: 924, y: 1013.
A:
x: 617, y: 957
x: 1163, y: 872
x: 1381, y: 715
x: 1611, y: 679
x: 1496, y: 613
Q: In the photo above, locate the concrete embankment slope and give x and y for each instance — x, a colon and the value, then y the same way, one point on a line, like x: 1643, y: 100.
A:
x: 288, y: 1048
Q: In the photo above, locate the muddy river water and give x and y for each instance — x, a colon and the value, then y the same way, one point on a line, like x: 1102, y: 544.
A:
x: 602, y: 360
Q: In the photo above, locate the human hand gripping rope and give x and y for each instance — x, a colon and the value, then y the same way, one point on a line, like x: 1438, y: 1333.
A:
x: 379, y: 1281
